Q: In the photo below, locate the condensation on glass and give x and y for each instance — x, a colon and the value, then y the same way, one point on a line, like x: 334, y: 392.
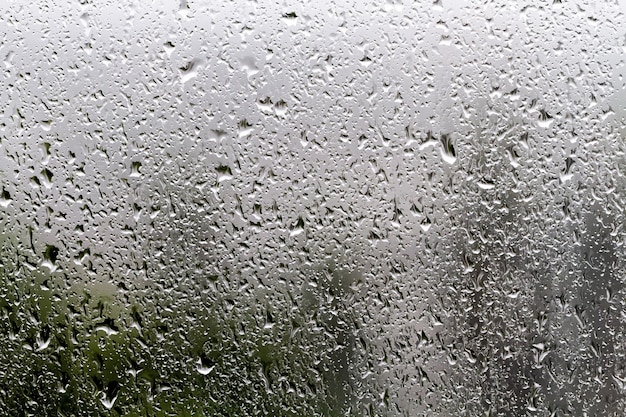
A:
x: 339, y: 208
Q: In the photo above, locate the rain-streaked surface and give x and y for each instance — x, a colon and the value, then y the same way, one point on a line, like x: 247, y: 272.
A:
x: 340, y: 208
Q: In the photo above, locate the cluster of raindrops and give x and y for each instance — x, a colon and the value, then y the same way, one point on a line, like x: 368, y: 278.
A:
x: 337, y: 208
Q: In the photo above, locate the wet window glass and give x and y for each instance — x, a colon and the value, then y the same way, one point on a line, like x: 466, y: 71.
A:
x: 342, y: 208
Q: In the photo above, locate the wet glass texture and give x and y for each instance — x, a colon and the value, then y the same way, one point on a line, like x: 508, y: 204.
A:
x: 342, y: 208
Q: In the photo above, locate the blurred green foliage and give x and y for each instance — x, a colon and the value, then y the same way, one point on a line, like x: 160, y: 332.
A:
x: 75, y: 348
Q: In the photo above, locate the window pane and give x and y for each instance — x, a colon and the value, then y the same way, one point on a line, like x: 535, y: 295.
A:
x: 339, y: 208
